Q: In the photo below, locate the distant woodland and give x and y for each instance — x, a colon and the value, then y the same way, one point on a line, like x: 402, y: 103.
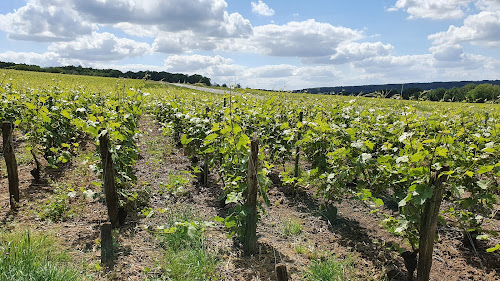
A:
x: 79, y: 70
x: 468, y: 91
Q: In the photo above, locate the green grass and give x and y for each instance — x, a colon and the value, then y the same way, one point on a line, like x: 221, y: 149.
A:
x: 291, y: 227
x: 331, y: 269
x: 186, y: 255
x: 32, y: 257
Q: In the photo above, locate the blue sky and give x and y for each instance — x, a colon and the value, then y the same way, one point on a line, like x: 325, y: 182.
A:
x: 262, y: 43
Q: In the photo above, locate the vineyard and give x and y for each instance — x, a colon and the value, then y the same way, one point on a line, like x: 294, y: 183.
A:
x: 141, y: 180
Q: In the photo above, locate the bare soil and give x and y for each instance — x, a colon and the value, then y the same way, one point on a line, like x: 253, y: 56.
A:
x: 354, y: 233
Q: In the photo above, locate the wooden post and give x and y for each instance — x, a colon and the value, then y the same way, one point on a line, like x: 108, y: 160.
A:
x: 205, y: 171
x: 205, y: 160
x: 250, y: 239
x: 106, y: 244
x: 281, y: 272
x: 11, y: 163
x: 297, y: 151
x: 109, y: 179
x: 428, y: 225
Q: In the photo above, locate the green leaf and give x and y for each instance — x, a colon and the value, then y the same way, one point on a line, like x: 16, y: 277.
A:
x: 417, y: 157
x: 185, y: 140
x: 230, y: 223
x: 422, y: 193
x: 378, y: 202
x: 483, y: 184
x: 405, y: 200
x: 488, y: 150
x: 443, y: 152
x: 469, y: 173
x: 442, y: 220
x: 218, y: 219
x: 236, y: 129
x: 30, y: 106
x: 351, y: 132
x: 403, y: 225
x: 415, y: 172
x: 369, y: 144
x: 483, y: 237
x: 210, y: 138
x: 66, y: 114
x: 234, y: 197
x: 485, y: 169
x: 243, y: 141
x: 492, y: 249
x: 118, y: 136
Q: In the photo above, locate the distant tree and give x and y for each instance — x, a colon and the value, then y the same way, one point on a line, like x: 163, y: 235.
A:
x: 206, y: 81
x: 484, y: 92
x: 411, y: 93
x: 115, y: 73
x: 436, y: 94
x: 6, y: 64
x: 453, y: 94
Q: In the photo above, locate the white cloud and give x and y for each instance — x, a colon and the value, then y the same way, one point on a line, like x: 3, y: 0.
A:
x: 182, y: 42
x: 50, y: 20
x: 262, y: 9
x: 300, y: 39
x: 325, y: 74
x: 138, y: 30
x: 433, y: 9
x: 272, y: 71
x: 352, y: 51
x: 482, y: 29
x: 201, y: 16
x: 445, y: 63
x: 100, y: 47
x: 45, y: 59
x: 125, y: 67
x: 224, y: 70
x: 193, y: 63
x: 447, y: 52
x: 488, y: 5
x: 57, y: 20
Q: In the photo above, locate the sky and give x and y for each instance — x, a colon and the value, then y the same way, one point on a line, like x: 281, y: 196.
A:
x: 265, y: 44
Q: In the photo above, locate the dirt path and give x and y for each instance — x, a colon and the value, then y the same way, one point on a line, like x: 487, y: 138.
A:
x: 205, y: 89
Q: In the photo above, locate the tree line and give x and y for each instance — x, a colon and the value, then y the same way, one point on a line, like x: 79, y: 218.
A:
x: 79, y: 70
x: 474, y: 93
x: 470, y: 92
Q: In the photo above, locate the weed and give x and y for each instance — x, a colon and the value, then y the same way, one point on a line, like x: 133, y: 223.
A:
x: 331, y: 269
x: 310, y: 251
x: 31, y: 257
x: 57, y: 207
x: 291, y: 227
x: 300, y: 249
x: 176, y: 184
x: 186, y: 254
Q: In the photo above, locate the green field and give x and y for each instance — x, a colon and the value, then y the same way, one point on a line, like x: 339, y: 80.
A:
x: 387, y: 154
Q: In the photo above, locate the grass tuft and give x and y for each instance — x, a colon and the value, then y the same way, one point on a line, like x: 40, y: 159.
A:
x: 186, y: 255
x: 291, y: 227
x: 29, y: 257
x: 331, y: 269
